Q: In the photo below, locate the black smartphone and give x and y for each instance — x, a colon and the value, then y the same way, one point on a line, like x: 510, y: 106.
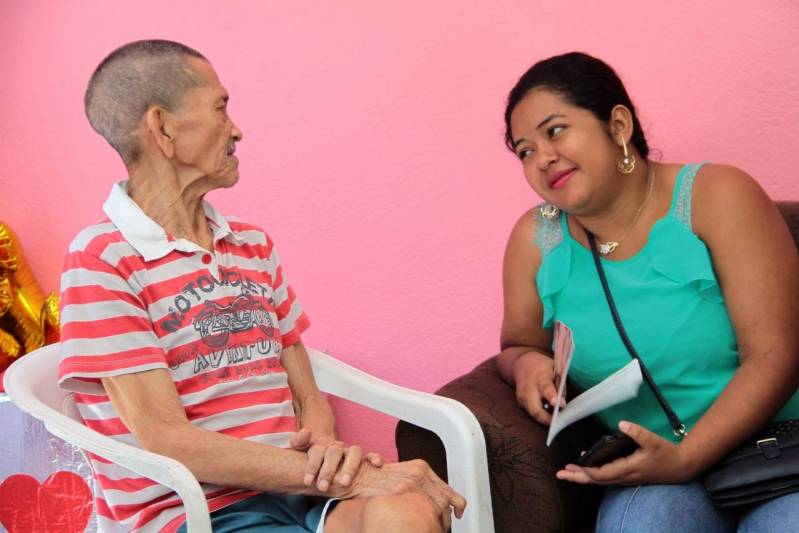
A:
x: 607, y: 449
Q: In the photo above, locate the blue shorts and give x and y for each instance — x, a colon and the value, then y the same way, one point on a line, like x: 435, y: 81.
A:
x: 278, y: 513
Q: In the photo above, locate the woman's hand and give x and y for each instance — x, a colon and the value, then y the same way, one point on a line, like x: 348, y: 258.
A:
x: 656, y: 461
x: 533, y: 374
x: 329, y: 459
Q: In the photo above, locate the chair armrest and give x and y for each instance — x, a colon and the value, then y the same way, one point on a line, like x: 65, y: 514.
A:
x: 455, y: 425
x: 164, y: 470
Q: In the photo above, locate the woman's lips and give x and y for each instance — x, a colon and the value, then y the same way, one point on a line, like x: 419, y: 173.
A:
x: 560, y: 179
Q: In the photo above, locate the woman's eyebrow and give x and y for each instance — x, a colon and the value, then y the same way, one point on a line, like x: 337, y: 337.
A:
x: 550, y: 117
x: 540, y: 125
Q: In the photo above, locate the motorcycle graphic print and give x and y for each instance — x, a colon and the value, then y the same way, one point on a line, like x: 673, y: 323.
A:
x: 215, y: 323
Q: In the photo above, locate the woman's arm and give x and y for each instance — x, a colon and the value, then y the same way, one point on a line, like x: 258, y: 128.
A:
x: 525, y: 360
x: 757, y: 265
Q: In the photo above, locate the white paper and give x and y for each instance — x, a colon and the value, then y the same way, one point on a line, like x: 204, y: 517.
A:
x: 619, y: 387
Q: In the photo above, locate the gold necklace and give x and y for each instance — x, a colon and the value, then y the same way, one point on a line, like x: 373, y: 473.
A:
x: 607, y: 248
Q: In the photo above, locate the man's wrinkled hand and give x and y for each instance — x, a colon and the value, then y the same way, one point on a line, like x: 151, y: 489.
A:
x: 329, y: 459
x: 407, y: 477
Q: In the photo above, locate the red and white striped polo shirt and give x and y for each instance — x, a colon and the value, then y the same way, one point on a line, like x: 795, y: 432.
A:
x: 133, y: 299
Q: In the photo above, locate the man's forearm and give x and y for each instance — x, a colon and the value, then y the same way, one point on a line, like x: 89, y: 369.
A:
x: 314, y: 413
x: 232, y: 462
x: 310, y: 405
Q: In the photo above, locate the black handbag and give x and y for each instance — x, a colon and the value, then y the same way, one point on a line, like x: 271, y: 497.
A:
x: 758, y: 471
x: 755, y: 472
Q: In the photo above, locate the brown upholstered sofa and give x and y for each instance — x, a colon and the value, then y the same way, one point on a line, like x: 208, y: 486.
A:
x: 525, y: 496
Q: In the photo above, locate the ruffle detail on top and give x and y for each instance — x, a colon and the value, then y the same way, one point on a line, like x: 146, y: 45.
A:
x: 691, y: 264
x: 553, y: 274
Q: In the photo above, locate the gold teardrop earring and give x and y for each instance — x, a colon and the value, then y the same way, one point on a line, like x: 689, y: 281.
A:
x: 626, y: 162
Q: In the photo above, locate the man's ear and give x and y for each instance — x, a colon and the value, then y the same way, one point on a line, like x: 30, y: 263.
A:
x: 621, y: 124
x: 157, y: 122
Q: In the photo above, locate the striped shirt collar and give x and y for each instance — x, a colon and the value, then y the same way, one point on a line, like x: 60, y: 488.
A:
x: 148, y: 238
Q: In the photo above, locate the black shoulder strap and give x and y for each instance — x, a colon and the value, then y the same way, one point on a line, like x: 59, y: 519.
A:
x: 674, y: 420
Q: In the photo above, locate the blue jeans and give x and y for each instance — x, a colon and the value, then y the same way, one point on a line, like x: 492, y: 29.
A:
x: 687, y: 508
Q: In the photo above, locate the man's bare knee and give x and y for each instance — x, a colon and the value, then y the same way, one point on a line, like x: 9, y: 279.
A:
x: 410, y: 512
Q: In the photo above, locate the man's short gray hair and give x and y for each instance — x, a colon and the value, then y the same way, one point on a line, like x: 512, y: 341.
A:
x: 131, y: 79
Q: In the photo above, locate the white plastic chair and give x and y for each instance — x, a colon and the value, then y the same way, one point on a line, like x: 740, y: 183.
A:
x: 31, y: 384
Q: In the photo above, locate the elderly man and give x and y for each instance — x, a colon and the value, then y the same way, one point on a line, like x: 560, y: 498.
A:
x: 182, y: 335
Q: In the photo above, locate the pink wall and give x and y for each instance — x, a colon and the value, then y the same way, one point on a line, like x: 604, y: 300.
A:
x: 373, y: 141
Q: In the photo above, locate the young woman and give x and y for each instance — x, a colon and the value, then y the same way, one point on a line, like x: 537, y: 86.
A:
x: 705, y: 277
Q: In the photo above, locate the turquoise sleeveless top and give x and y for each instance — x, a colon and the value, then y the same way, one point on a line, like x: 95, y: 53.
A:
x: 670, y: 303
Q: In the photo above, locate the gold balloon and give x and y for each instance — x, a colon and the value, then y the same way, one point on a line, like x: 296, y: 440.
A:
x: 28, y: 318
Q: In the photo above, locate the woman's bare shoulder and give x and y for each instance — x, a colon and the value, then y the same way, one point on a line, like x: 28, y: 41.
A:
x: 521, y: 243
x: 724, y: 195
x: 717, y: 183
x: 526, y: 224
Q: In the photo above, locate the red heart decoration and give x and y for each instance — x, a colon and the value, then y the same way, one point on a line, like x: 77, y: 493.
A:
x: 62, y: 504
